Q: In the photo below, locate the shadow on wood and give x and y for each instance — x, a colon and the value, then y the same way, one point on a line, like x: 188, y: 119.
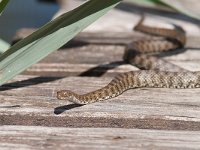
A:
x: 28, y: 82
x: 101, y: 69
x: 61, y: 109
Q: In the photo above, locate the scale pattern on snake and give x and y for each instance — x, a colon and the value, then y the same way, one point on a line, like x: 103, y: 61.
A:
x: 158, y: 74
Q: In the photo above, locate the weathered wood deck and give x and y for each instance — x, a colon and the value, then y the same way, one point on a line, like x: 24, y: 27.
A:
x: 32, y: 117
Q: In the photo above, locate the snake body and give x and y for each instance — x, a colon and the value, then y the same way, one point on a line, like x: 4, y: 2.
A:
x: 158, y: 74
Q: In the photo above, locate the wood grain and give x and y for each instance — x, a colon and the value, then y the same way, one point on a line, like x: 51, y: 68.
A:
x: 138, y: 108
x: 23, y: 137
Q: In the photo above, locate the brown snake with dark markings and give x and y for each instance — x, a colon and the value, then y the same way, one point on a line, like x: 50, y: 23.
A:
x: 158, y: 74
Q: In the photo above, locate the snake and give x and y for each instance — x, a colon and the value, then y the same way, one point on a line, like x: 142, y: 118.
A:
x: 156, y: 72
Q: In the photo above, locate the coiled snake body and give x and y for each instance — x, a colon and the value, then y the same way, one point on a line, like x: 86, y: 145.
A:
x: 158, y: 74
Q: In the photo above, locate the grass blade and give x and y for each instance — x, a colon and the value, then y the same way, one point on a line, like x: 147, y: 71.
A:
x: 3, y: 4
x: 179, y: 8
x: 3, y: 46
x: 175, y: 6
x: 149, y: 3
x: 51, y: 37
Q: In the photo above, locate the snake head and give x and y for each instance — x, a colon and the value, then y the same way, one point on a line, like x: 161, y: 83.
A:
x: 65, y: 94
x: 70, y: 96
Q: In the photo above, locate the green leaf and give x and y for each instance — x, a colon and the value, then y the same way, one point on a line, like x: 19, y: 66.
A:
x: 144, y: 2
x: 170, y: 5
x: 51, y: 37
x: 3, y: 46
x: 179, y: 8
x: 3, y: 4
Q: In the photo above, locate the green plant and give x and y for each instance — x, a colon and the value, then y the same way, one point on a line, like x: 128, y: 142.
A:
x: 3, y: 4
x: 56, y: 33
x: 3, y: 45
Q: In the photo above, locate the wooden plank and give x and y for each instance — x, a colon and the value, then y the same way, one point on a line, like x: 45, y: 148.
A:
x: 66, y: 69
x: 95, y: 59
x: 189, y: 60
x: 23, y: 137
x: 32, y: 101
x: 108, y: 38
x: 101, y: 70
